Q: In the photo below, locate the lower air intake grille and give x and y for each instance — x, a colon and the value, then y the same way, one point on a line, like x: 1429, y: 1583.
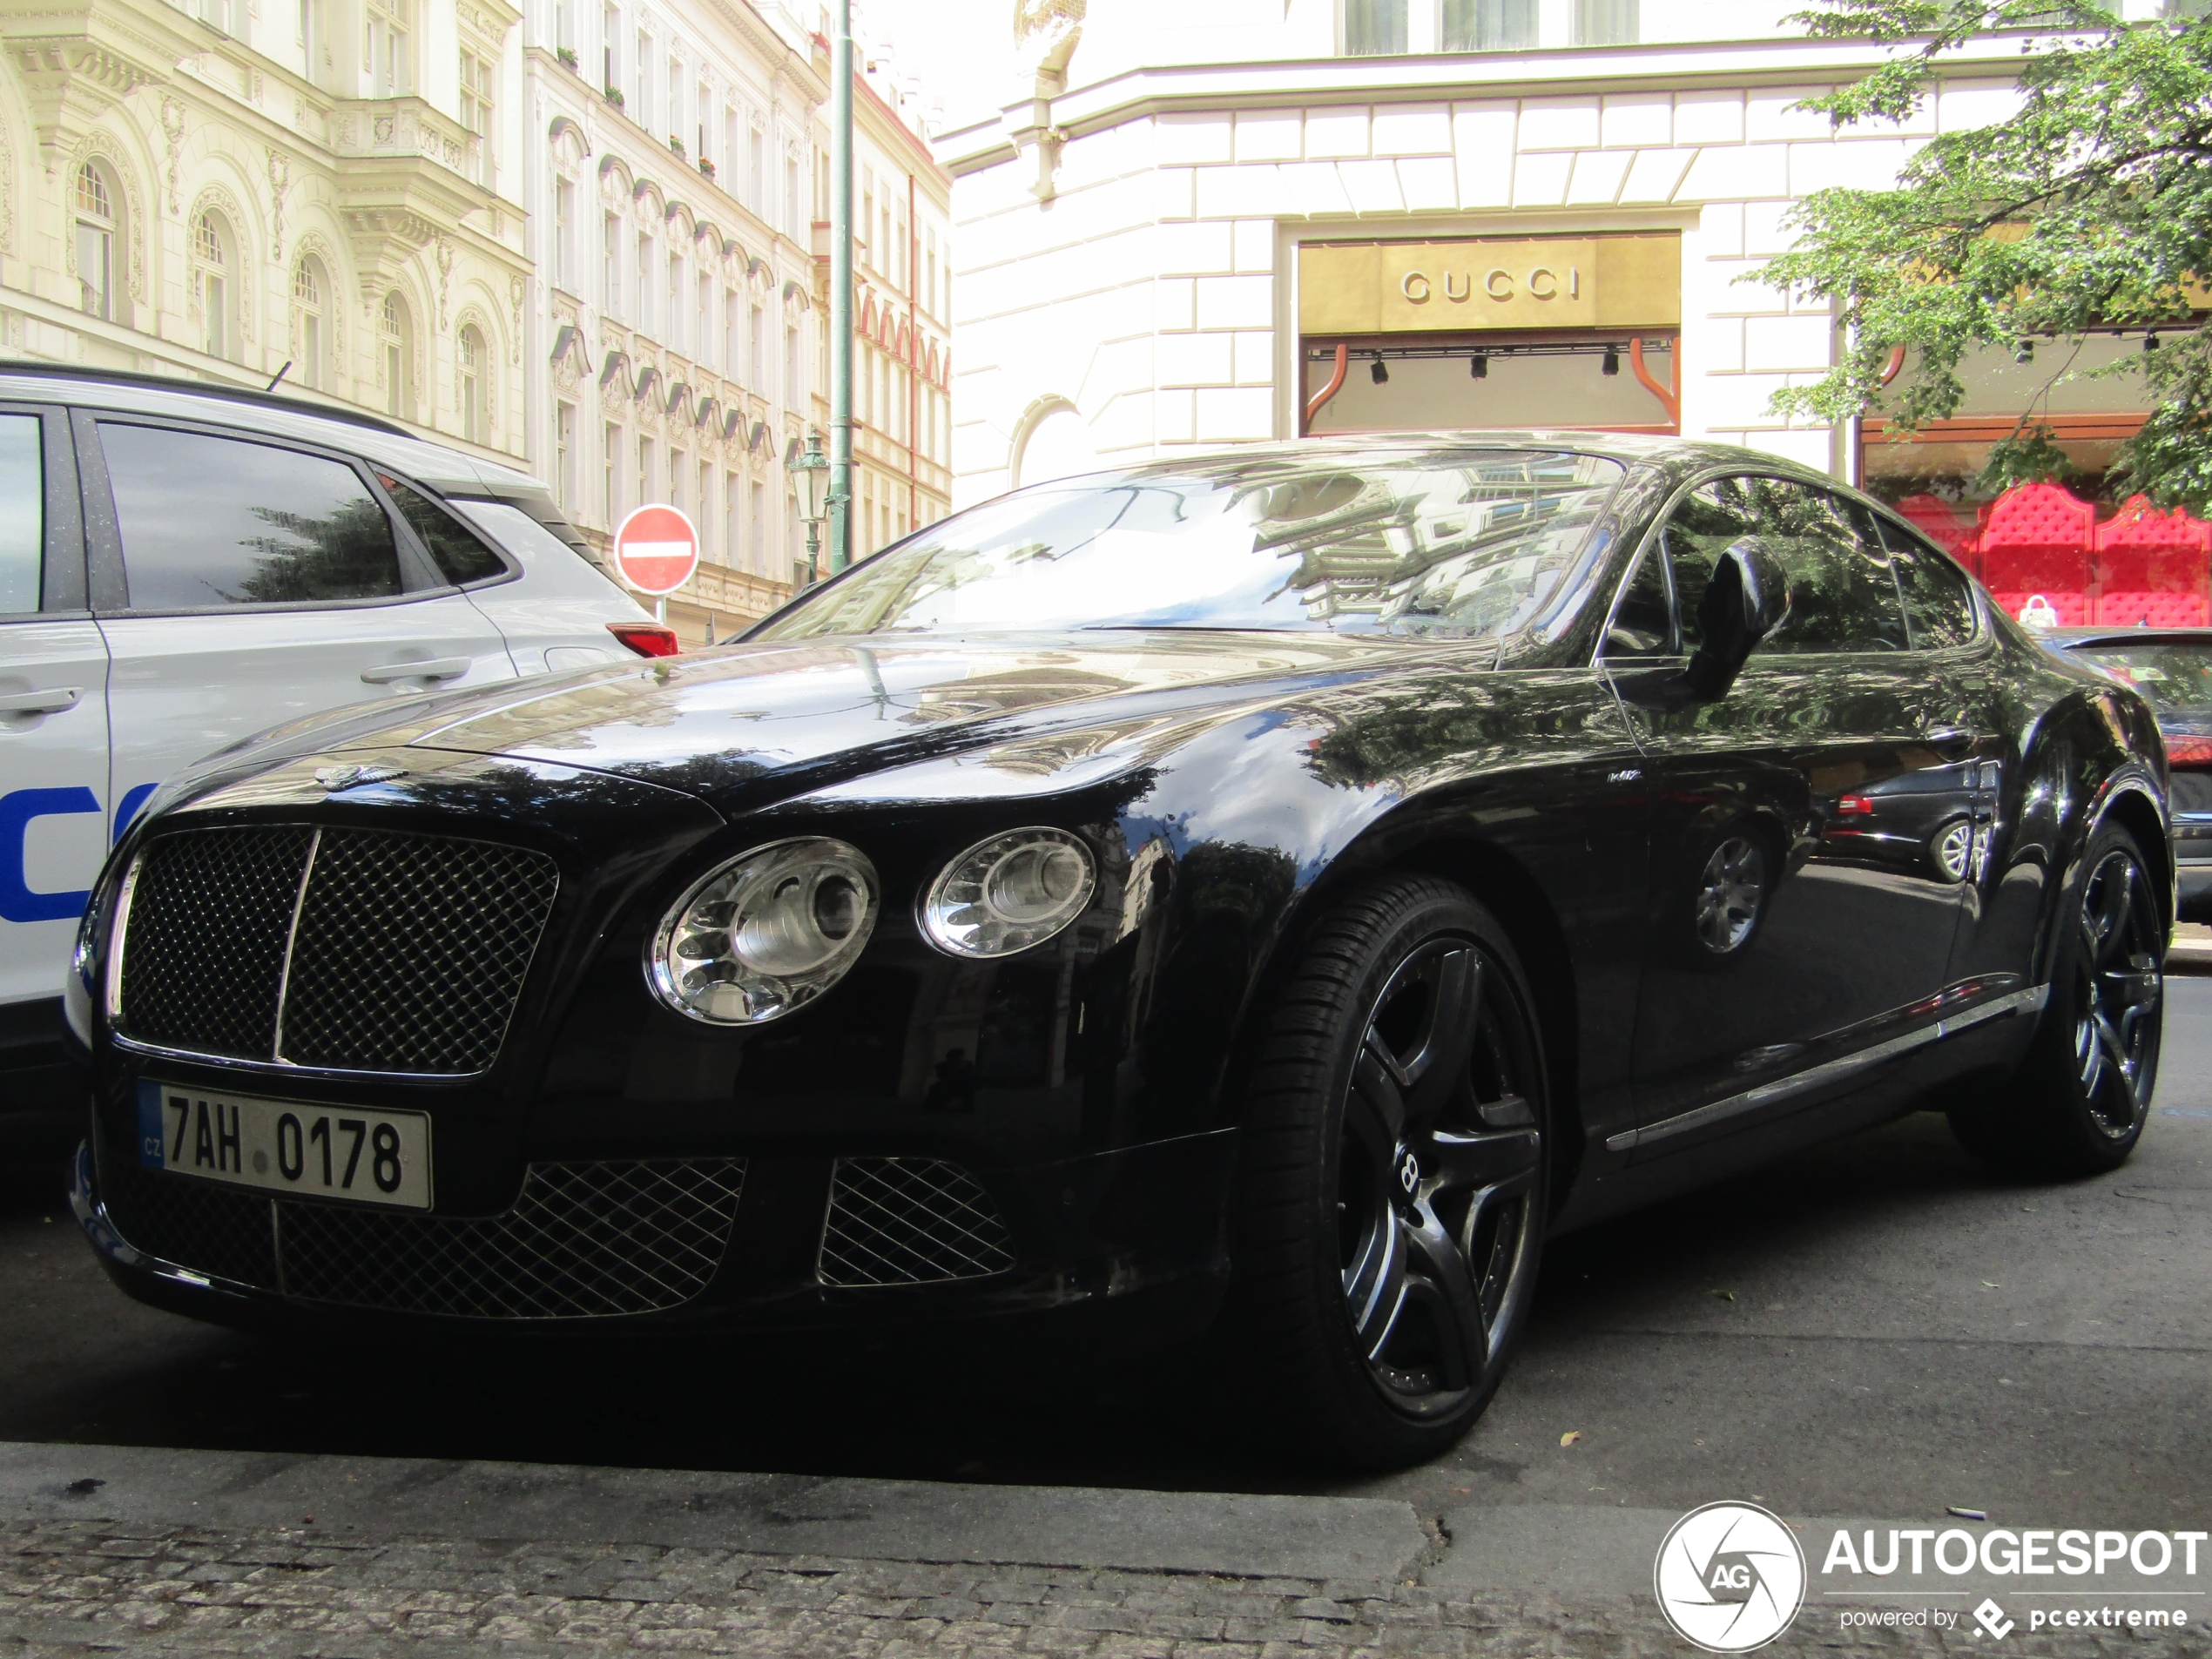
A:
x: 910, y: 1220
x: 583, y: 1241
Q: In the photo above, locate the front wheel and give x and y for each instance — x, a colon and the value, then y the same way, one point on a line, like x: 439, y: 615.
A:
x: 2078, y: 1103
x: 1391, y: 1208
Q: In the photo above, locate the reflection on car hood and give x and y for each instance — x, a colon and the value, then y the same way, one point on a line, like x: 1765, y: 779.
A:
x: 742, y: 726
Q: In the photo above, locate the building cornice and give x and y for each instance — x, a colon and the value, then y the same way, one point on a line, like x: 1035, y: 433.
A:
x: 1454, y: 78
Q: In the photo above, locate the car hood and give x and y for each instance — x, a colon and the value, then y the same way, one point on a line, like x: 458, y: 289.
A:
x: 749, y: 724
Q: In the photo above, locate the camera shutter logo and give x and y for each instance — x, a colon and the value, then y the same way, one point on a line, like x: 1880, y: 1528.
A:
x: 1730, y: 1577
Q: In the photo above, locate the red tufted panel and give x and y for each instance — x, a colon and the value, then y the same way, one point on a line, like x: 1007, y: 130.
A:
x: 2038, y: 539
x: 2073, y: 608
x: 2158, y: 609
x: 2142, y: 552
x: 1950, y: 526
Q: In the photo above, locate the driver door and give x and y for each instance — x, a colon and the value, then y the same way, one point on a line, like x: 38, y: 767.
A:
x: 1800, y: 914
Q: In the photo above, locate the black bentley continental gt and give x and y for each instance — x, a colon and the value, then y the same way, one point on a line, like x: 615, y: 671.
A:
x: 1255, y: 897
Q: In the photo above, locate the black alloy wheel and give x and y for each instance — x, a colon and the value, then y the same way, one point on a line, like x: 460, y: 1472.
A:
x: 2120, y: 993
x: 1393, y: 1205
x: 2077, y: 1104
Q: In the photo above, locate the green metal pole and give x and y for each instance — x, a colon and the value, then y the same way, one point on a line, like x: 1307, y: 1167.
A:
x: 840, y: 331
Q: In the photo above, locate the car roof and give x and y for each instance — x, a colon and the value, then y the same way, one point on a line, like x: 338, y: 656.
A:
x: 353, y: 431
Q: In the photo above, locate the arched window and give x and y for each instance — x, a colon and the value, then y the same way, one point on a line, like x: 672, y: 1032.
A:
x: 310, y: 299
x: 472, y: 384
x: 97, y: 225
x: 395, y: 332
x: 213, y: 261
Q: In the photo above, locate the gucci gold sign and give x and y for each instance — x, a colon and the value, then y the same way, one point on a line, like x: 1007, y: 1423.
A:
x: 1608, y: 281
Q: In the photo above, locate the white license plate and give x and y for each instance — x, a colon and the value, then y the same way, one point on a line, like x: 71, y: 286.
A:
x: 342, y: 1152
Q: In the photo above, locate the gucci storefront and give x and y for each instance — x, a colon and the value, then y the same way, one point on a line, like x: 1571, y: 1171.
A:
x: 1575, y: 332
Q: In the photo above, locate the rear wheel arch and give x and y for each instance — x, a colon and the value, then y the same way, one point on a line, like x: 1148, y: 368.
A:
x: 2129, y: 805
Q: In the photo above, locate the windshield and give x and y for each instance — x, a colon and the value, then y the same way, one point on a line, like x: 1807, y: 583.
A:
x: 2172, y: 677
x: 1453, y: 543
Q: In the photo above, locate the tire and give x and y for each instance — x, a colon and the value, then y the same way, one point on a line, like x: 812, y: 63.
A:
x: 1363, y: 1326
x: 2077, y: 1105
x: 1950, y: 849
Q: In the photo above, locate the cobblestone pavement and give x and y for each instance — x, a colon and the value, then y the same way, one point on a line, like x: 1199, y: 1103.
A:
x: 87, y: 1587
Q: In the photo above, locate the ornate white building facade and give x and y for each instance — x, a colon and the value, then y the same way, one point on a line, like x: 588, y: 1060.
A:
x: 1261, y: 219
x: 223, y: 192
x: 678, y: 346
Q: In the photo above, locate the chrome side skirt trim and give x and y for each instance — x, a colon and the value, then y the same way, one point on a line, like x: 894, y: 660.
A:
x: 1829, y: 1071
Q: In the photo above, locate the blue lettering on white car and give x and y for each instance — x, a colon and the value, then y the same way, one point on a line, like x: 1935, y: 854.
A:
x: 17, y: 901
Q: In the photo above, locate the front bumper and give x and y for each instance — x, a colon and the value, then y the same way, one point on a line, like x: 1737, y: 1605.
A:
x: 1133, y: 1241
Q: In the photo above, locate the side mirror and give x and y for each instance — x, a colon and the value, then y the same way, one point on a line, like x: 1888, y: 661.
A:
x: 1745, y: 600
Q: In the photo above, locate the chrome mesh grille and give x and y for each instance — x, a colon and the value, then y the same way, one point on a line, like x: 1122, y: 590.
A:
x: 910, y: 1220
x: 406, y: 953
x: 203, y: 899
x: 410, y: 952
x: 581, y: 1241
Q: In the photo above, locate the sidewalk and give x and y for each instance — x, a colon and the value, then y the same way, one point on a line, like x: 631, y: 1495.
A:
x: 106, y: 1549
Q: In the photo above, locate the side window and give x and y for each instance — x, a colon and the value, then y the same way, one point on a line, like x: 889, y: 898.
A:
x: 1842, y: 597
x: 209, y: 521
x: 1709, y: 521
x: 461, y: 554
x: 1642, y: 624
x: 1938, y: 603
x: 22, y: 513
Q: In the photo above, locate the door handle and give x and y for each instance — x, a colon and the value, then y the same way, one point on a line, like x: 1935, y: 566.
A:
x: 52, y: 701
x: 437, y: 668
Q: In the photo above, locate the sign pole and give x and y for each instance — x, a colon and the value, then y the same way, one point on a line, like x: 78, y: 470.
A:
x: 840, y: 329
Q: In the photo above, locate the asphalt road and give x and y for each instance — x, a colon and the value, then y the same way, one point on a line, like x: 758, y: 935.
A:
x: 1879, y: 1328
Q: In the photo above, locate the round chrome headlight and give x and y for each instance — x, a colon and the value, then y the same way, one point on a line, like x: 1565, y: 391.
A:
x: 766, y: 933
x: 1009, y: 893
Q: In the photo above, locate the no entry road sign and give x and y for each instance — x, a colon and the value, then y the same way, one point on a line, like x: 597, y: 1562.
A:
x: 656, y: 549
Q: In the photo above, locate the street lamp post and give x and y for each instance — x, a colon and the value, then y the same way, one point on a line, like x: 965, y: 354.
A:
x: 810, y: 472
x: 840, y: 342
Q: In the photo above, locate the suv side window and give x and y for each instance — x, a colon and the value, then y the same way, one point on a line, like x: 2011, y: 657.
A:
x: 1939, y: 603
x: 1842, y: 596
x: 22, y: 513
x: 459, y: 554
x: 209, y: 521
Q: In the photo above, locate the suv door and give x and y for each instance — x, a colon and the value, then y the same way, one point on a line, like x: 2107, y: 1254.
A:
x: 53, y: 740
x: 1801, y: 916
x: 242, y: 581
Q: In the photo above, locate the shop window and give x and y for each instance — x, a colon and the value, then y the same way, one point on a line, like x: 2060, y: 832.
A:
x: 2067, y: 551
x: 1558, y: 378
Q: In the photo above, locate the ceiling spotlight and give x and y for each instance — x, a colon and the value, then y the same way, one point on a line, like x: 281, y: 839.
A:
x: 1612, y: 364
x: 1479, y: 366
x: 1380, y: 371
x: 2025, y: 351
